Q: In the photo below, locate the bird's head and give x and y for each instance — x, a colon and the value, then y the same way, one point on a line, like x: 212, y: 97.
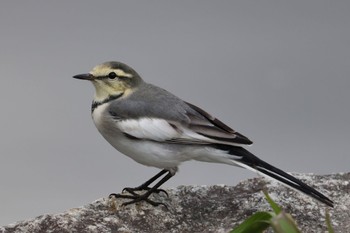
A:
x: 112, y: 78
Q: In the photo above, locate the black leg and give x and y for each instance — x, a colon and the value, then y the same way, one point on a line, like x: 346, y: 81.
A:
x: 145, y: 185
x: 144, y: 197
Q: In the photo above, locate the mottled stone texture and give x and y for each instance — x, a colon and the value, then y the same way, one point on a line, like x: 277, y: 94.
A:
x: 215, y: 208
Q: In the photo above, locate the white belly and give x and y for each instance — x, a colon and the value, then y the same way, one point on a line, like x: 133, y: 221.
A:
x: 145, y: 152
x: 151, y: 153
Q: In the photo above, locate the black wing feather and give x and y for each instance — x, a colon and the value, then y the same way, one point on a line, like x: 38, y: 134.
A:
x: 215, y: 129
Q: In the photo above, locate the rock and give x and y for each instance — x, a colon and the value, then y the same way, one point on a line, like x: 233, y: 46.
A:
x: 217, y: 208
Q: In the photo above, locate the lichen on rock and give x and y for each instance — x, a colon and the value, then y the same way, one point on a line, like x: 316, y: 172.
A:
x: 216, y: 208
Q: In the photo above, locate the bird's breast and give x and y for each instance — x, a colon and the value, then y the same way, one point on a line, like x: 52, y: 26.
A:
x: 98, y: 114
x: 104, y: 122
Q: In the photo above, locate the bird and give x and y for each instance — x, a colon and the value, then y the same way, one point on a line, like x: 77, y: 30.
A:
x: 158, y: 129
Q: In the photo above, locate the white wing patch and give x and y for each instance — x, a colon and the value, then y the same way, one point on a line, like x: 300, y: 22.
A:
x: 149, y: 128
x: 161, y: 130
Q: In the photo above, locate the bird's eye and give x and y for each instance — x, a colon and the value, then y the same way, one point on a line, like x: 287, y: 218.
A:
x: 112, y: 75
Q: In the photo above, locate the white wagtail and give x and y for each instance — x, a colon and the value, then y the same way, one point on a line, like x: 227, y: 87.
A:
x: 158, y: 129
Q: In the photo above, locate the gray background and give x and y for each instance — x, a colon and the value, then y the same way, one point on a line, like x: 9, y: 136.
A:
x: 276, y: 71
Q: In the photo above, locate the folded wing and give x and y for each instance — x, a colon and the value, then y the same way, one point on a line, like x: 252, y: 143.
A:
x: 202, y: 128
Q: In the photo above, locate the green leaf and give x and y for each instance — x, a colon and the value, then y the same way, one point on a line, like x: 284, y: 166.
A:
x: 284, y: 223
x: 328, y: 222
x: 257, y: 223
x: 273, y: 204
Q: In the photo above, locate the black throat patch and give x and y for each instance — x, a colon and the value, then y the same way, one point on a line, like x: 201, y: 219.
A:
x: 95, y: 104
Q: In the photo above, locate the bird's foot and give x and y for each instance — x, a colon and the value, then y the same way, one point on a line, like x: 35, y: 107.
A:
x: 144, y: 188
x: 137, y: 198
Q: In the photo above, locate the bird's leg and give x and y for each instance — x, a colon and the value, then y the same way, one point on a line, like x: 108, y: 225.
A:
x: 144, y: 197
x: 145, y: 186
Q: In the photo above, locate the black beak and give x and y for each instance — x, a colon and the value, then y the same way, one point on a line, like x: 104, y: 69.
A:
x: 84, y: 76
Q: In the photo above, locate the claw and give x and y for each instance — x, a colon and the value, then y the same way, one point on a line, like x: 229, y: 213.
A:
x: 132, y: 190
x: 113, y: 195
x: 137, y: 198
x: 161, y: 191
x: 153, y: 203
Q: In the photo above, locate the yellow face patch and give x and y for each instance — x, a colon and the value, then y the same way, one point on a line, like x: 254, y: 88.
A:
x: 104, y: 89
x: 103, y: 70
x: 124, y: 83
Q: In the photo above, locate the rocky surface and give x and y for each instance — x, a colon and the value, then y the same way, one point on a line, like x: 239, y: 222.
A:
x: 216, y: 208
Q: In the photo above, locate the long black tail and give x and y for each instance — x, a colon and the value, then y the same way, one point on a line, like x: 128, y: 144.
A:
x: 250, y: 160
